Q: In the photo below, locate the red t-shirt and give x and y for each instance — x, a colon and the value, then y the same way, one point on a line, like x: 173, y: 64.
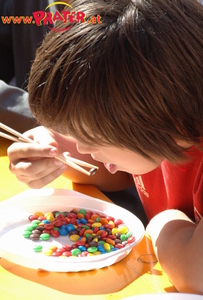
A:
x: 174, y: 186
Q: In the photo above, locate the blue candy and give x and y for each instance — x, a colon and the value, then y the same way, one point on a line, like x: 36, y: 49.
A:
x: 46, y: 222
x: 63, y: 231
x: 70, y: 227
x: 101, y: 249
x: 82, y: 248
x: 83, y: 220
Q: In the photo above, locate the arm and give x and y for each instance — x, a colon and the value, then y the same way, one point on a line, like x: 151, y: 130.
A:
x: 178, y: 244
x: 35, y: 165
x: 14, y: 108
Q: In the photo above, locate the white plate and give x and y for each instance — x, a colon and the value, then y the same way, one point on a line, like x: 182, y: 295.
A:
x: 166, y: 296
x: 14, y: 214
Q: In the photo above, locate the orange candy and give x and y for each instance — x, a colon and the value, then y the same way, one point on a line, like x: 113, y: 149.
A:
x: 80, y: 216
x: 90, y: 231
x: 94, y: 217
x: 104, y: 221
x: 110, y: 241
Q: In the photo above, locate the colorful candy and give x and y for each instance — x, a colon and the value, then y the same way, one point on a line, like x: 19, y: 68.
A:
x: 37, y: 248
x: 90, y: 233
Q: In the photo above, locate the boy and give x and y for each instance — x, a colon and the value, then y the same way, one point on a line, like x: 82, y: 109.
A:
x: 129, y: 92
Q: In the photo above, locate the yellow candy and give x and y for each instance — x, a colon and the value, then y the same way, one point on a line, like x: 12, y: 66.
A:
x: 41, y: 224
x: 122, y: 229
x: 48, y: 214
x: 96, y: 224
x: 74, y: 237
x: 107, y: 247
x: 48, y: 252
x: 50, y: 218
x: 97, y: 253
x: 39, y: 214
x: 53, y: 248
x: 112, y: 223
x: 114, y: 231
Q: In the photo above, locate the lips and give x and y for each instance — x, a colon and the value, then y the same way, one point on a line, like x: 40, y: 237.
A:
x: 111, y: 168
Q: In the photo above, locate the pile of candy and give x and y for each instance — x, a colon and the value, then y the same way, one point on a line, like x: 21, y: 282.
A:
x: 91, y: 233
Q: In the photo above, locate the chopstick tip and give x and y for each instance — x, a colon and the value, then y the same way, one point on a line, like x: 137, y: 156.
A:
x: 93, y: 171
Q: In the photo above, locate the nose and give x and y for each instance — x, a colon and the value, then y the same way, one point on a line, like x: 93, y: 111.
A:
x: 84, y: 149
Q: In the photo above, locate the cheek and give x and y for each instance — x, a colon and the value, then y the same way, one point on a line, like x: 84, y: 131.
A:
x: 84, y: 149
x: 81, y: 149
x: 136, y: 164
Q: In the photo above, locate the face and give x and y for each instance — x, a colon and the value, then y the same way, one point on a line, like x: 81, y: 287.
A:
x: 119, y: 159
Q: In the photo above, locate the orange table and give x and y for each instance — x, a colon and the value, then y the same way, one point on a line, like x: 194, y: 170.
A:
x: 138, y: 273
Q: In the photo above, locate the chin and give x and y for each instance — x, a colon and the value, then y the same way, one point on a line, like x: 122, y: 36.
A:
x: 96, y: 159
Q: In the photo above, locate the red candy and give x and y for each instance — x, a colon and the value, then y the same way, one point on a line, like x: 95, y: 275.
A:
x: 46, y: 231
x: 49, y: 226
x: 56, y: 253
x: 117, y: 222
x: 32, y: 217
x: 73, y: 221
x: 67, y: 253
x: 55, y: 233
x: 67, y: 247
x: 80, y: 243
x: 72, y: 215
x: 41, y: 218
x: 58, y: 223
x: 130, y: 239
x: 83, y: 254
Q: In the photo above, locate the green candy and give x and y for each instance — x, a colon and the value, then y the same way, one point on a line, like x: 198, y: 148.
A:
x: 101, y: 242
x: 34, y: 222
x: 59, y: 213
x: 31, y: 227
x: 87, y: 235
x: 37, y: 248
x: 27, y: 233
x: 123, y: 237
x: 75, y: 252
x: 82, y: 211
x: 85, y: 226
x: 92, y: 249
x: 44, y: 236
x: 128, y: 234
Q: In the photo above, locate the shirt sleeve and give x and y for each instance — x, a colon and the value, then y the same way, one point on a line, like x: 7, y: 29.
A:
x: 14, y: 108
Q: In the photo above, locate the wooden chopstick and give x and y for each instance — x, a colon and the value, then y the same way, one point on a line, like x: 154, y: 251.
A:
x: 78, y: 162
x: 8, y: 137
x: 67, y: 160
x: 16, y: 133
x: 72, y: 162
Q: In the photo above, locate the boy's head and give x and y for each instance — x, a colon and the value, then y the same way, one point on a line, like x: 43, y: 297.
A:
x: 134, y: 79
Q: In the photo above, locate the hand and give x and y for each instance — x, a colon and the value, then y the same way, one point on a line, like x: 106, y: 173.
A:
x: 35, y: 164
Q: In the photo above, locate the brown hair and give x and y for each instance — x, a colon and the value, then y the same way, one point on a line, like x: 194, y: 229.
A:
x: 134, y: 81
